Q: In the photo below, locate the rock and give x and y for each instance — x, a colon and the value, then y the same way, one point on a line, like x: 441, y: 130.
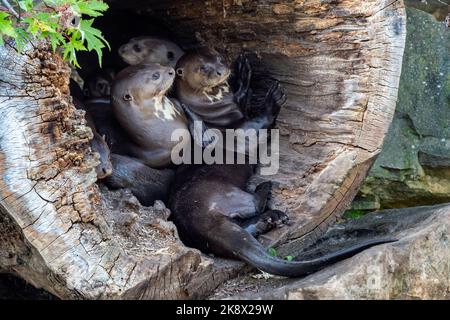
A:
x: 414, y: 165
x: 438, y: 8
x: 415, y: 267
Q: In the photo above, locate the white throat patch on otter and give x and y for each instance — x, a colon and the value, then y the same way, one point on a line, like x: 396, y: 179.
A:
x: 164, y: 109
x: 216, y: 94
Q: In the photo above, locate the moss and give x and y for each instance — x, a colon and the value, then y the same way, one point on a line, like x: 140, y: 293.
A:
x: 416, y: 151
x: 354, y: 214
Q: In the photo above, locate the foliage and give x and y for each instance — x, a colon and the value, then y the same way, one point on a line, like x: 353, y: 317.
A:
x: 354, y: 214
x: 273, y: 253
x: 65, y: 24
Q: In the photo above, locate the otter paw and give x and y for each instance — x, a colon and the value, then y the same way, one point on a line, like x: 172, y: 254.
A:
x: 276, y: 218
x: 275, y: 99
x: 262, y: 193
x: 270, y: 220
x: 244, y: 75
x: 263, y: 189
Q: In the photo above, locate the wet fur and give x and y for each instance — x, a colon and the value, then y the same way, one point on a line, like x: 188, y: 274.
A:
x: 202, y: 87
x: 211, y: 228
x: 147, y: 184
x: 148, y: 116
x: 98, y: 143
x: 150, y: 50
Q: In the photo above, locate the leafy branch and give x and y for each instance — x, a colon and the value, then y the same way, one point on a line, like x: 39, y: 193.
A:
x: 60, y: 22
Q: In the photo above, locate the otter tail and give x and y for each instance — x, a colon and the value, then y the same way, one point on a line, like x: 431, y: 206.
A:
x: 252, y: 252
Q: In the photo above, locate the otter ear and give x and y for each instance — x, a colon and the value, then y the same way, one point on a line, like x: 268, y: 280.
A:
x: 180, y: 72
x: 127, y: 97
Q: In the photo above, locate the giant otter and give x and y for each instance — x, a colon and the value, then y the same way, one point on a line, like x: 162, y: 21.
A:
x: 205, y: 202
x: 149, y: 117
x: 99, y: 83
x: 150, y: 50
x: 98, y: 143
x: 146, y: 184
x: 202, y: 87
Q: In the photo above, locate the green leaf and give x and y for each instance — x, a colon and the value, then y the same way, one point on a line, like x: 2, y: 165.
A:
x: 354, y: 214
x: 22, y: 38
x: 93, y: 8
x: 289, y: 258
x: 272, y: 252
x: 94, y: 38
x: 55, y: 39
x: 6, y: 25
x: 43, y: 23
x: 70, y: 48
x: 26, y: 5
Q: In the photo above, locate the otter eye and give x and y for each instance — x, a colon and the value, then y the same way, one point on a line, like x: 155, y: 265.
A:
x: 156, y: 76
x: 127, y: 97
x: 137, y: 48
x: 204, y: 69
x: 170, y: 55
x: 75, y: 22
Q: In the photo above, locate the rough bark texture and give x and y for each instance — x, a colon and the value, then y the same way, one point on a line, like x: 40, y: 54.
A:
x: 340, y: 64
x: 415, y: 267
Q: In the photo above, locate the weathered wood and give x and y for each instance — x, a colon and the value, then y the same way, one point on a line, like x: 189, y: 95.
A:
x: 56, y: 230
x: 340, y: 63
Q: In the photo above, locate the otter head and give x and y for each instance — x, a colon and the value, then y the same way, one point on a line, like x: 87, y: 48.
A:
x: 100, y: 84
x: 105, y: 168
x: 136, y: 84
x: 203, y: 69
x: 150, y: 50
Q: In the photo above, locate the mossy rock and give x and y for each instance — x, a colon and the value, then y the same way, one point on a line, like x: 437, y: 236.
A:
x: 414, y: 165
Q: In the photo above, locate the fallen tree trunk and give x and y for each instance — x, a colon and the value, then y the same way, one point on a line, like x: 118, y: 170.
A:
x: 340, y: 63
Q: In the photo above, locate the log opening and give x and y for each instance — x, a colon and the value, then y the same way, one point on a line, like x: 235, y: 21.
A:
x: 340, y: 63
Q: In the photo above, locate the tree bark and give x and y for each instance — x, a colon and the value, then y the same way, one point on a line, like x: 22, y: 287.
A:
x: 340, y: 63
x: 56, y: 230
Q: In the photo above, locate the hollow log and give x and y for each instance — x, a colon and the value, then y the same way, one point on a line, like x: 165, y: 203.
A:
x: 339, y: 62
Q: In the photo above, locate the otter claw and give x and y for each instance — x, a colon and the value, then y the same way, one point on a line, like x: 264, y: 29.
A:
x: 244, y: 75
x: 270, y: 220
x: 277, y: 218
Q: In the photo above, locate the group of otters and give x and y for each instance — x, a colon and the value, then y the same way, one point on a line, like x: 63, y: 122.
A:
x: 133, y: 114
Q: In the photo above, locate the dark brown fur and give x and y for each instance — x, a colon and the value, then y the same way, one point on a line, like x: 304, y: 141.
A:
x: 149, y: 117
x: 146, y: 184
x: 204, y: 201
x: 202, y: 87
x: 98, y: 143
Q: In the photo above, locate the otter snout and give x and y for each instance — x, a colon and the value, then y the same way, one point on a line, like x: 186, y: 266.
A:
x: 221, y: 71
x: 123, y: 50
x: 103, y: 171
